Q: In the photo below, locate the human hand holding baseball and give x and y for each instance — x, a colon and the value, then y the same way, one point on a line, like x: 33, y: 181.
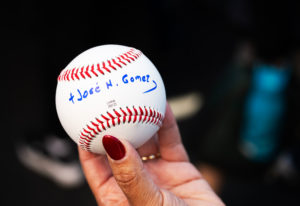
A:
x: 122, y: 178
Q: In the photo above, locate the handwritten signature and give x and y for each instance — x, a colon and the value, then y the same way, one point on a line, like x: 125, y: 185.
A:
x: 82, y: 94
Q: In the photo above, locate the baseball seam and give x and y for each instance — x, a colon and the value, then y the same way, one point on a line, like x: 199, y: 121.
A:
x: 114, y: 118
x: 94, y: 70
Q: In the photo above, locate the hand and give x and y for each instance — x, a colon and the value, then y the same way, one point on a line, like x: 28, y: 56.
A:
x: 122, y: 178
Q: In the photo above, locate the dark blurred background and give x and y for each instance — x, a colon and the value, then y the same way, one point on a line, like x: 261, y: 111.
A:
x: 231, y: 70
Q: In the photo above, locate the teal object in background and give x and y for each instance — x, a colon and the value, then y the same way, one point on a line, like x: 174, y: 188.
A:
x: 264, y: 111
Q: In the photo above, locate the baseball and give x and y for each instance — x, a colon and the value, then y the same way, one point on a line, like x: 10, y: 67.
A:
x: 110, y: 90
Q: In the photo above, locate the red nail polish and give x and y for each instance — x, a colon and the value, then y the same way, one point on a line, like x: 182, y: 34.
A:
x: 114, y: 148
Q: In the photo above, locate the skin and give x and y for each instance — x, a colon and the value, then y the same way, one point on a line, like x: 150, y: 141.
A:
x: 168, y: 180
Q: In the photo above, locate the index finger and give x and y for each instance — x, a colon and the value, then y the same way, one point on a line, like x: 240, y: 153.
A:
x: 95, y: 167
x: 169, y: 139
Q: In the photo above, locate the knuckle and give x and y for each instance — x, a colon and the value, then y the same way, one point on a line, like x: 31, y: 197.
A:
x: 126, y: 179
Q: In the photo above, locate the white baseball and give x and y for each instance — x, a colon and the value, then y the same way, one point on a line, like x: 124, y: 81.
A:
x: 110, y: 90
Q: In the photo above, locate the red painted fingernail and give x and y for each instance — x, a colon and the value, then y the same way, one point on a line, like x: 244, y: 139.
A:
x: 114, y: 147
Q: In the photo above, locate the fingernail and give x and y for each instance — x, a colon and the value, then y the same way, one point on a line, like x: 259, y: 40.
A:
x: 114, y: 147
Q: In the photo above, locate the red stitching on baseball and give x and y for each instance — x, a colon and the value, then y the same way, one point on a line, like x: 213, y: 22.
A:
x: 106, y: 119
x: 96, y: 125
x: 150, y: 116
x: 118, y: 115
x: 125, y: 59
x: 124, y: 113
x: 84, y: 71
x: 72, y: 74
x: 67, y: 75
x: 81, y: 72
x: 142, y: 113
x: 114, y: 61
x: 130, y: 114
x: 112, y: 118
x: 120, y: 60
x: 89, y: 133
x: 64, y: 75
x: 99, y: 69
x: 84, y: 135
x: 102, y: 123
x: 87, y: 71
x: 104, y: 67
x: 76, y: 74
x: 146, y: 115
x: 110, y: 65
x: 126, y: 54
x: 90, y: 128
x: 135, y: 114
x: 132, y: 54
x: 93, y: 70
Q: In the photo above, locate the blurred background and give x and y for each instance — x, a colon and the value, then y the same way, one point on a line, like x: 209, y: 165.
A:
x: 231, y: 70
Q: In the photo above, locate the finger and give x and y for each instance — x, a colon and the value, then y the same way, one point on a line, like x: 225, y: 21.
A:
x: 95, y: 167
x: 129, y: 173
x: 170, y: 145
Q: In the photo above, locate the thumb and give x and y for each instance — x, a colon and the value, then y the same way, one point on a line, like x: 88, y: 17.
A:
x: 129, y: 173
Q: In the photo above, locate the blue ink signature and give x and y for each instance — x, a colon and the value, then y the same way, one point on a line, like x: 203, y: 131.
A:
x: 85, y: 93
x: 150, y: 90
x: 125, y: 80
x: 144, y: 78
